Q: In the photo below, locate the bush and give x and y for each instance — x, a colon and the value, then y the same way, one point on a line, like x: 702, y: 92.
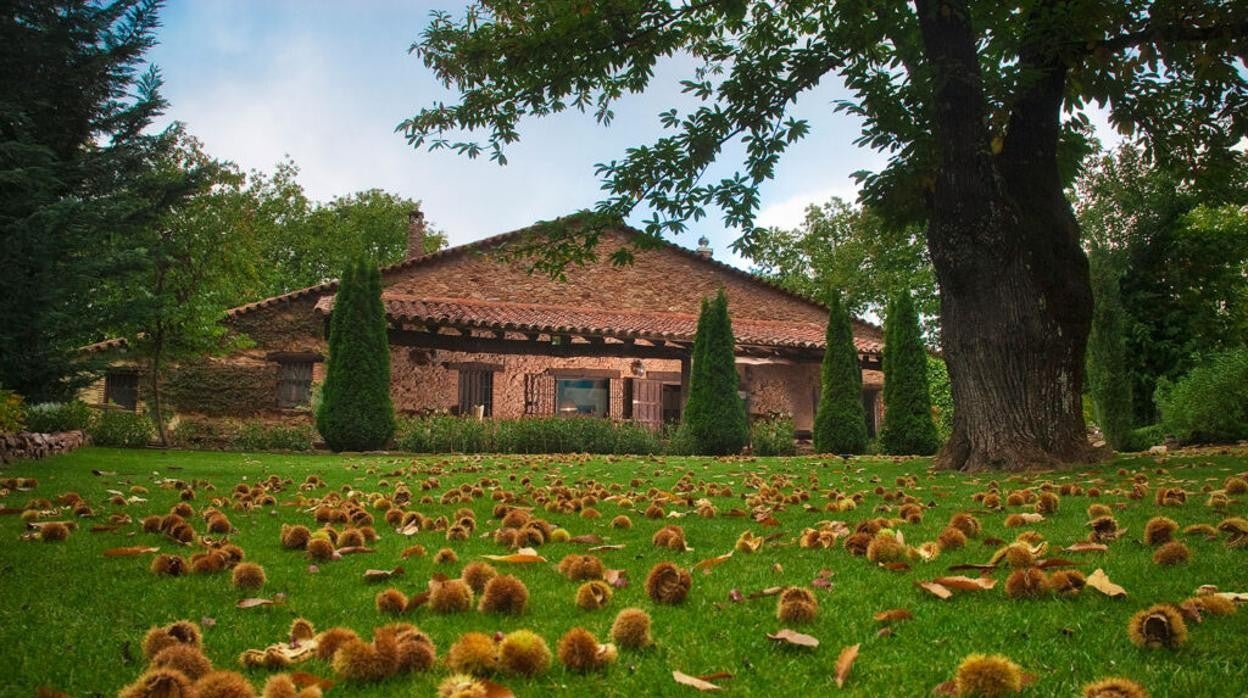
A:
x: 1210, y: 403
x: 53, y: 417
x: 258, y: 436
x: 120, y: 428
x: 774, y: 436
x: 12, y: 412
x: 446, y: 434
x: 908, y: 428
x: 714, y: 414
x: 942, y: 397
x: 840, y: 421
x: 1144, y: 438
x: 356, y: 413
x: 194, y: 432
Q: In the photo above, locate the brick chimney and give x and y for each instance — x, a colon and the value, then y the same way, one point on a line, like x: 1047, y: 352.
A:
x: 704, y: 248
x: 415, y: 234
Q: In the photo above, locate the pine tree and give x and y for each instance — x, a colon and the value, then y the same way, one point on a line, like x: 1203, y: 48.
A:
x: 79, y: 189
x: 908, y: 427
x: 1109, y: 381
x: 840, y: 422
x: 356, y: 412
x: 714, y: 415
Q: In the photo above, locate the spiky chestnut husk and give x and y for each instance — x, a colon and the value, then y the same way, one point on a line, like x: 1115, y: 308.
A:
x: 207, y: 563
x: 159, y: 683
x: 1067, y: 582
x: 302, y: 629
x: 415, y: 651
x: 329, y: 641
x: 283, y: 686
x: 857, y: 543
x: 951, y: 539
x: 580, y: 653
x: 884, y: 547
x: 1026, y: 583
x: 295, y: 537
x: 169, y: 565
x: 320, y: 549
x: 181, y: 632
x: 504, y: 594
x: 248, y: 575
x: 668, y: 584
x: 621, y: 521
x: 966, y: 523
x: 631, y: 629
x: 671, y: 537
x: 987, y: 676
x: 462, y: 686
x: 578, y: 568
x: 1172, y: 553
x: 1159, y: 529
x: 473, y: 653
x: 796, y: 605
x: 593, y: 595
x: 1235, y: 485
x: 1099, y: 510
x: 53, y: 532
x: 1114, y: 688
x: 1160, y: 625
x: 1014, y: 499
x: 451, y: 596
x: 391, y: 602
x: 1048, y: 503
x: 1018, y: 555
x: 445, y: 556
x: 477, y: 574
x: 1214, y: 605
x: 188, y: 659
x: 223, y: 684
x: 360, y: 662
x: 350, y: 538
x: 523, y: 653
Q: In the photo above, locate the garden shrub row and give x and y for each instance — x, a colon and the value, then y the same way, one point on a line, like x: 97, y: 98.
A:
x: 446, y: 434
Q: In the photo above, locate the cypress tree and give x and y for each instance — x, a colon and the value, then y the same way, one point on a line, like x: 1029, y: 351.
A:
x: 356, y: 413
x: 840, y: 422
x: 1109, y: 381
x: 908, y: 427
x: 714, y: 415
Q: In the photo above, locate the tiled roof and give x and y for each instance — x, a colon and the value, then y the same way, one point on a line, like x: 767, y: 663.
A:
x: 621, y: 324
x: 106, y: 345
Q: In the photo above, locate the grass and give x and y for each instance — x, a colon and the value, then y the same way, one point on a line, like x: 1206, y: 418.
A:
x: 73, y: 620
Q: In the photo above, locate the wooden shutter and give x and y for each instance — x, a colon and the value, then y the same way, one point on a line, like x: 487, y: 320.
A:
x: 648, y: 403
x: 294, y: 383
x: 539, y: 394
x: 476, y: 387
x: 122, y: 389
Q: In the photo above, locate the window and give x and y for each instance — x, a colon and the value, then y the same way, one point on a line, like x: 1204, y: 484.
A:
x: 582, y: 396
x: 121, y: 388
x: 294, y: 383
x: 476, y: 387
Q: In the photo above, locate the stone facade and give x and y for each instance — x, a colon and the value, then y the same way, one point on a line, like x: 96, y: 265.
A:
x: 666, y: 279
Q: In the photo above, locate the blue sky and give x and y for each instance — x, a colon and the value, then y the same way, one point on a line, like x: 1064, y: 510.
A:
x: 326, y: 82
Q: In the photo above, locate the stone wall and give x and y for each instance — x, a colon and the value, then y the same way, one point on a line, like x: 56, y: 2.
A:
x: 29, y: 445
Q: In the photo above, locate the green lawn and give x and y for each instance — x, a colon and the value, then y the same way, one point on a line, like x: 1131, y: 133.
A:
x: 73, y: 620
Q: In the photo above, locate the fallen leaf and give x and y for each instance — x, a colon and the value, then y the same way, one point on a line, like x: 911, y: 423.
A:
x: 523, y: 555
x: 103, y: 473
x: 896, y: 566
x: 886, y: 631
x: 1086, y: 547
x: 354, y: 550
x: 821, y: 583
x: 844, y: 663
x: 252, y: 603
x: 893, y: 615
x: 736, y: 596
x: 208, y: 622
x: 967, y: 583
x: 694, y: 682
x: 603, y: 548
x: 794, y: 638
x: 591, y: 538
x: 972, y: 566
x: 709, y: 563
x: 382, y: 575
x: 1052, y: 562
x: 777, y: 568
x: 130, y: 551
x: 936, y: 590
x: 295, y: 652
x: 1236, y: 596
x: 1099, y: 581
x: 769, y: 591
x: 616, y: 578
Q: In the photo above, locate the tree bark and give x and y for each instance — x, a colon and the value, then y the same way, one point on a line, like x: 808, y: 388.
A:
x: 1016, y: 302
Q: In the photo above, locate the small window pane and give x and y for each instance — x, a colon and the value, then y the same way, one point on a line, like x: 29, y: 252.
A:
x: 121, y: 388
x: 582, y: 396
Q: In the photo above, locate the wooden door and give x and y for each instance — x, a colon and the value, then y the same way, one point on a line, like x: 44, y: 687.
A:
x: 648, y: 403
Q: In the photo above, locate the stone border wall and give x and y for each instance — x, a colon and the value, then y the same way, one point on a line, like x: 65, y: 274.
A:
x: 29, y: 445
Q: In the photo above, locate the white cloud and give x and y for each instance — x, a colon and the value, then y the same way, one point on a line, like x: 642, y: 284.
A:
x: 790, y: 212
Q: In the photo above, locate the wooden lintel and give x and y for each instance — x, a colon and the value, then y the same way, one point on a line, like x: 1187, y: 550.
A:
x: 490, y: 345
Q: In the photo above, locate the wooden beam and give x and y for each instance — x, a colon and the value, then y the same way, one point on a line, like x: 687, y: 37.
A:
x: 489, y: 345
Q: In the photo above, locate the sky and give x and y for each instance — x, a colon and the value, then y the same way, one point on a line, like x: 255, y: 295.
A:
x: 326, y: 82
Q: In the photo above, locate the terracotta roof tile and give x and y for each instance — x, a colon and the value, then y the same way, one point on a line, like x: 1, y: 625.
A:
x: 621, y: 324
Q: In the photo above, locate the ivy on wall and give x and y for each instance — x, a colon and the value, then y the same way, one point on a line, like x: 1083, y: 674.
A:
x: 217, y: 388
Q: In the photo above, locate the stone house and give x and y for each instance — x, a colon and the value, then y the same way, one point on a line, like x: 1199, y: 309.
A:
x: 473, y: 333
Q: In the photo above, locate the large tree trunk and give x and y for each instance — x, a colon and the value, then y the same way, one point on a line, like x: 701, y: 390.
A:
x: 1016, y: 303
